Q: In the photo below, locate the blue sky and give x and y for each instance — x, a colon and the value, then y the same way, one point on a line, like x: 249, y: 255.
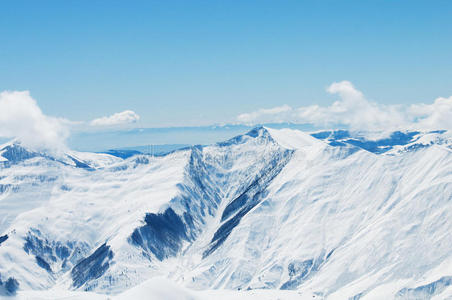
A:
x: 184, y: 63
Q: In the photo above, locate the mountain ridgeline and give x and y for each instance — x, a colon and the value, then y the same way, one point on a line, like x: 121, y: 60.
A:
x: 333, y: 213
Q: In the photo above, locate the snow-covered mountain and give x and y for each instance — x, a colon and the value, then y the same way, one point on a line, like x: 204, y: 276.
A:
x: 328, y: 215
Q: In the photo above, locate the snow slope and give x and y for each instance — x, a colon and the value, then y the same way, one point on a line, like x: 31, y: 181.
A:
x: 259, y: 215
x: 159, y: 288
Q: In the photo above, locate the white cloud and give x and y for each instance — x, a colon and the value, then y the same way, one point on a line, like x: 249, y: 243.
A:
x: 21, y: 118
x: 352, y: 109
x: 121, y: 118
x: 437, y: 115
x: 278, y: 111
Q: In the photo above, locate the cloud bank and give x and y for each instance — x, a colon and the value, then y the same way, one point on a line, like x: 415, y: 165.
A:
x: 276, y: 113
x: 21, y: 118
x: 353, y: 110
x: 121, y: 118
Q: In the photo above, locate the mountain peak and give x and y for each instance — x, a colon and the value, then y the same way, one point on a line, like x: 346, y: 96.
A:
x: 294, y: 139
x: 14, y: 152
x: 260, y: 132
x: 291, y: 139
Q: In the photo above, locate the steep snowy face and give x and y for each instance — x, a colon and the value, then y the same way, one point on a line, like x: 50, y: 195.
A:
x: 343, y: 225
x: 272, y: 209
x: 213, y: 177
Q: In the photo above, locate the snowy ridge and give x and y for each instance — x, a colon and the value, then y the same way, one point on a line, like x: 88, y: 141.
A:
x: 320, y: 214
x: 381, y: 143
